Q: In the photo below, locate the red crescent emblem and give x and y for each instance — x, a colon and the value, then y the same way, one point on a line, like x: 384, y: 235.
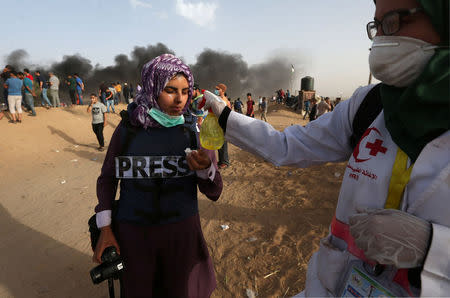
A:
x: 356, y: 151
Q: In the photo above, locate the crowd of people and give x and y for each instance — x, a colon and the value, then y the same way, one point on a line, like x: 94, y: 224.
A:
x: 22, y: 91
x: 38, y: 89
x: 111, y: 94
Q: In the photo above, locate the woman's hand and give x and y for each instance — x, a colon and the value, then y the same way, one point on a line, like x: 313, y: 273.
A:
x: 198, y: 160
x: 106, y: 239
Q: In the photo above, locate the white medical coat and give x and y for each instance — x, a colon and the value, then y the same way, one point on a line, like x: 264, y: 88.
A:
x: 365, y: 183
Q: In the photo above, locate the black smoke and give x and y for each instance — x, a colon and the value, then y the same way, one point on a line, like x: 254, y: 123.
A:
x: 211, y: 68
x: 72, y: 64
x: 17, y: 59
x: 214, y: 67
x: 264, y: 78
x: 128, y: 68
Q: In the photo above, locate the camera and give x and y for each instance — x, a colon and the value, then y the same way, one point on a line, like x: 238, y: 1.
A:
x: 111, y: 266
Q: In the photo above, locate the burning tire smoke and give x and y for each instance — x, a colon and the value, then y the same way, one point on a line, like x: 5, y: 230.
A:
x: 212, y: 67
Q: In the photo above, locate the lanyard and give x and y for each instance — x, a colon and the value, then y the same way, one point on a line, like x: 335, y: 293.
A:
x: 400, y: 177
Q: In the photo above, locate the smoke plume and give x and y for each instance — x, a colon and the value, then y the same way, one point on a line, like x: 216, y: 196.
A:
x: 211, y: 68
x: 214, y: 67
x: 17, y: 59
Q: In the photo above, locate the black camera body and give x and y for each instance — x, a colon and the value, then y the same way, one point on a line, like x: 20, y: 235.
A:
x: 111, y: 266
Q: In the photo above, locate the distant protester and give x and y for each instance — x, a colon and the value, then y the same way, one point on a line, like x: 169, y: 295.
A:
x: 43, y: 87
x: 306, y: 106
x: 80, y: 89
x: 126, y: 93
x: 109, y: 98
x: 250, y: 106
x: 224, y: 160
x: 98, y: 110
x: 264, y: 109
x: 118, y: 88
x: 131, y: 91
x: 6, y: 75
x: 313, y: 113
x: 114, y: 92
x: 13, y: 86
x: 28, y: 93
x: 197, y: 97
x: 26, y: 73
x: 238, y: 105
x: 54, y: 89
x: 72, y: 83
x: 102, y: 92
x: 324, y: 106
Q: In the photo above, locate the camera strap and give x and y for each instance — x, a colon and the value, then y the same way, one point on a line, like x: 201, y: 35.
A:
x: 111, y: 287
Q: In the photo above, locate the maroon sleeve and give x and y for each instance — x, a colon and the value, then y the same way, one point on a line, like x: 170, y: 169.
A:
x: 211, y: 189
x: 107, y: 181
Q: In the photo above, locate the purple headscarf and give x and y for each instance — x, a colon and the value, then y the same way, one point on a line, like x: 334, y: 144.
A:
x: 155, y: 76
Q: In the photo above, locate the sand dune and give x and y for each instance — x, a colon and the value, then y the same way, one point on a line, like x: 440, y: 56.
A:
x: 48, y: 168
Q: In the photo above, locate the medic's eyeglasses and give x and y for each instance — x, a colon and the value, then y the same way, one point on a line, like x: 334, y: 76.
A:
x: 391, y: 22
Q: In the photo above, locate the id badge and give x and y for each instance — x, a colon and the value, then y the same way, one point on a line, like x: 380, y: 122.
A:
x: 358, y: 282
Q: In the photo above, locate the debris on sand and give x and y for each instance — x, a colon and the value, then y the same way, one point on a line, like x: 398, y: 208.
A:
x: 250, y: 293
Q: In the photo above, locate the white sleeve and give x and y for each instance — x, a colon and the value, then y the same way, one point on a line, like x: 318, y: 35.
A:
x: 435, y: 275
x: 103, y: 218
x: 208, y: 173
x: 326, y: 139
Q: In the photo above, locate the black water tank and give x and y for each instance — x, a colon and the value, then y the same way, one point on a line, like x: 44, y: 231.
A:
x: 307, y: 84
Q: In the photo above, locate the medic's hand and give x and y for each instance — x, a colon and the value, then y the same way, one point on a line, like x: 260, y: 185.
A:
x: 391, y: 237
x: 198, y: 160
x: 214, y: 102
x: 106, y: 239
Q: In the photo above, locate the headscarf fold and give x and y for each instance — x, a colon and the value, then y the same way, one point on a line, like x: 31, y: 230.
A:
x: 155, y: 75
x: 419, y: 113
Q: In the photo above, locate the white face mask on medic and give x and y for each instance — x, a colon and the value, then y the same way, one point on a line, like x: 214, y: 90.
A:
x: 399, y: 60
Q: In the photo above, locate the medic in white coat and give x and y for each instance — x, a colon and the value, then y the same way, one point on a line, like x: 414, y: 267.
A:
x: 391, y: 232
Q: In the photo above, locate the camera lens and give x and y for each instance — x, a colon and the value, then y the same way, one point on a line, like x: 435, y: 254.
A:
x: 111, y: 266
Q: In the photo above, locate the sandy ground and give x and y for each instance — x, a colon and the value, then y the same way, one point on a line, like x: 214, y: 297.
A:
x: 48, y: 168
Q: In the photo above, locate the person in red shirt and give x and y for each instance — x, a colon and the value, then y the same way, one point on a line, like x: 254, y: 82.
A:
x: 250, y: 106
x: 27, y: 74
x: 282, y: 94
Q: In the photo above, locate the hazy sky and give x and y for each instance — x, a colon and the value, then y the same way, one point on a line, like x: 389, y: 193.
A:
x: 325, y: 39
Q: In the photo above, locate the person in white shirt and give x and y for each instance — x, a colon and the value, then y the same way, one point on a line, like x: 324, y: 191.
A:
x: 54, y: 89
x: 324, y: 106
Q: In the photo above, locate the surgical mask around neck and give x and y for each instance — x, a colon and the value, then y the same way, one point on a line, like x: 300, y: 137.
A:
x: 399, y: 60
x: 165, y: 119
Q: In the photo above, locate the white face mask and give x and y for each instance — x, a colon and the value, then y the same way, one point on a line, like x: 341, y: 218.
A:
x: 398, y: 60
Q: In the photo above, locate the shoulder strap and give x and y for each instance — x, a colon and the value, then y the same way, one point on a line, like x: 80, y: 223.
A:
x: 190, y: 125
x: 131, y: 130
x: 369, y: 109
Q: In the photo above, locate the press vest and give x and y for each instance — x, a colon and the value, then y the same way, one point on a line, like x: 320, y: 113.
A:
x: 157, y: 186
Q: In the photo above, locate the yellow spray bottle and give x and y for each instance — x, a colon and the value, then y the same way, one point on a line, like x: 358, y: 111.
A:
x: 211, y: 134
